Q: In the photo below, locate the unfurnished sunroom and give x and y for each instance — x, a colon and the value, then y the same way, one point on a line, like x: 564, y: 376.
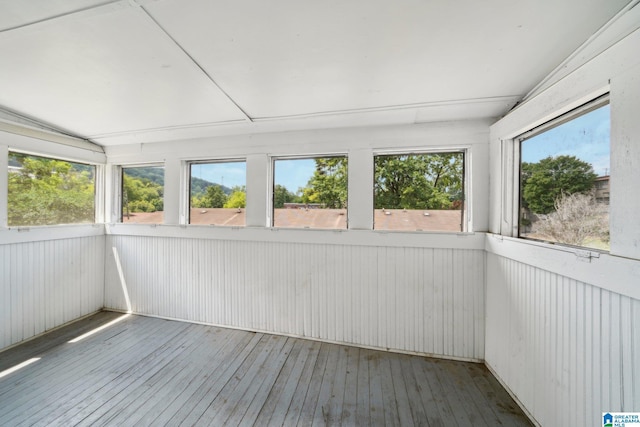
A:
x: 424, y: 183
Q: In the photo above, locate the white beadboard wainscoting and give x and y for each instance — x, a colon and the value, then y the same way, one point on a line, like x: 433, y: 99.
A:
x: 407, y: 298
x: 47, y: 281
x: 567, y: 349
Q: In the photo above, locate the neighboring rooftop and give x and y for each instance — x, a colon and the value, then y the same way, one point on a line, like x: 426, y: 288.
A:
x: 387, y: 219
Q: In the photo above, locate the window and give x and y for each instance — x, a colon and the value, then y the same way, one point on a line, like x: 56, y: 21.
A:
x: 564, y: 179
x: 142, y: 194
x: 46, y: 191
x: 217, y: 193
x: 423, y: 191
x: 310, y: 193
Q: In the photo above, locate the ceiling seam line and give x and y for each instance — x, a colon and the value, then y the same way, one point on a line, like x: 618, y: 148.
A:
x: 62, y: 15
x: 196, y: 63
x: 387, y: 108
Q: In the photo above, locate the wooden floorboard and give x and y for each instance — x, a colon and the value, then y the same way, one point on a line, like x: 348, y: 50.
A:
x: 111, y: 377
x: 189, y: 414
x: 187, y: 378
x: 304, y: 385
x: 54, y: 338
x: 315, y: 385
x: 376, y: 401
x: 158, y: 383
x: 75, y: 373
x: 275, y: 406
x: 143, y: 371
x: 389, y: 404
x: 327, y: 373
x: 194, y: 391
x: 432, y: 399
x: 399, y: 390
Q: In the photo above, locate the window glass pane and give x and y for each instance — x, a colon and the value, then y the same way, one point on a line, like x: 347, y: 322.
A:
x: 45, y: 191
x: 310, y: 193
x: 422, y: 192
x: 218, y: 193
x: 143, y: 194
x: 565, y: 183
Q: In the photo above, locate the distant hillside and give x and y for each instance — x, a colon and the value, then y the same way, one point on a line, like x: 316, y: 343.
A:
x: 153, y: 174
x: 150, y: 173
x: 156, y: 175
x: 199, y: 186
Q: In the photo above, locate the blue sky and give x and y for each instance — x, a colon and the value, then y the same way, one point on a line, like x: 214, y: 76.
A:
x: 586, y: 137
x: 230, y: 174
x: 293, y: 173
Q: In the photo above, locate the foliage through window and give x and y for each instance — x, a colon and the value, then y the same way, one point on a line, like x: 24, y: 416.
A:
x: 564, y: 180
x: 422, y: 192
x: 143, y: 194
x: 217, y: 193
x: 46, y: 191
x: 310, y: 193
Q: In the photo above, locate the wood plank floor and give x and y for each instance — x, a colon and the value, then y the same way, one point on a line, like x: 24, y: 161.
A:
x: 145, y: 371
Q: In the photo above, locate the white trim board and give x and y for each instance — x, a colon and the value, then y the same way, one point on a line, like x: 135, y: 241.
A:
x: 437, y: 240
x: 613, y: 273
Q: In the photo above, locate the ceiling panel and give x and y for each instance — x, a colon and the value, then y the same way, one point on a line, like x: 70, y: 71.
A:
x: 103, y: 73
x: 132, y: 71
x: 291, y: 57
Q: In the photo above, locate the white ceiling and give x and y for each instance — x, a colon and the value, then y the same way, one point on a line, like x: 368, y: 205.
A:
x: 138, y: 71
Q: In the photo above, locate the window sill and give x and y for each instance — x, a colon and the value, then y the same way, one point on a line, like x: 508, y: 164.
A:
x: 440, y: 240
x: 49, y: 232
x: 613, y: 273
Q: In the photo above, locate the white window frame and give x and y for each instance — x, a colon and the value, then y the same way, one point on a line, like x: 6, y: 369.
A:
x: 98, y: 184
x: 185, y: 209
x: 116, y: 215
x: 513, y: 162
x: 466, y: 179
x: 272, y: 184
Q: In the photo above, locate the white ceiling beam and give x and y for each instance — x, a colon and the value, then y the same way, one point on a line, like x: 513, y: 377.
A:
x: 193, y: 60
x: 17, y: 124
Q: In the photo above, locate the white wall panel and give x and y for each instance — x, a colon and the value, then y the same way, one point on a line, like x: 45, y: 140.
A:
x: 44, y: 284
x: 568, y: 350
x: 563, y: 326
x: 411, y: 299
